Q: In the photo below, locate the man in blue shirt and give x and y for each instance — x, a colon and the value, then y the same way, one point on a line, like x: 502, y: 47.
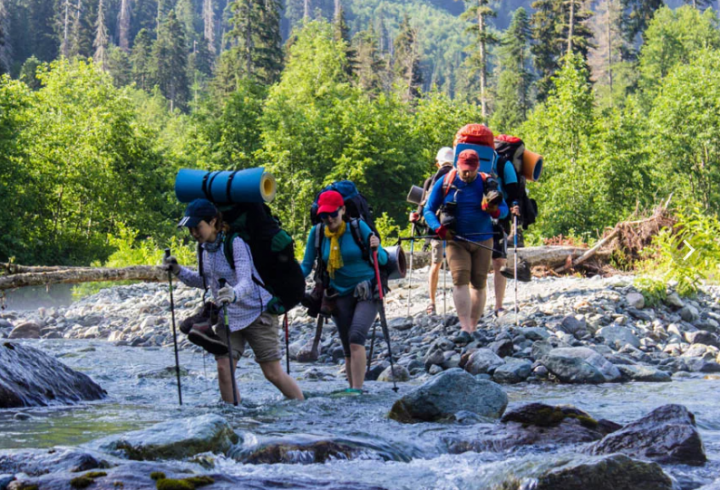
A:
x: 467, y: 212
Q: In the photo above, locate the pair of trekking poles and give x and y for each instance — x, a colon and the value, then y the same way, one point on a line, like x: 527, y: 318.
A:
x: 226, y: 322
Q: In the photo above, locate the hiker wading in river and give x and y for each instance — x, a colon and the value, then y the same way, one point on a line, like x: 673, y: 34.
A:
x: 351, y: 295
x: 466, y: 209
x: 246, y: 301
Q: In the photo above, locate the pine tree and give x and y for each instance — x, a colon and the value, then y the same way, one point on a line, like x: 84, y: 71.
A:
x: 80, y: 41
x: 637, y: 17
x: 5, y: 51
x: 201, y: 58
x: 513, y: 99
x: 478, y: 13
x: 143, y: 16
x: 576, y: 31
x: 28, y: 73
x: 101, y: 39
x: 185, y: 12
x: 169, y: 62
x: 42, y: 29
x: 118, y: 66
x: 408, y: 76
x: 123, y: 25
x: 369, y: 63
x: 140, y: 60
x: 341, y: 33
x: 604, y: 58
x: 257, y: 51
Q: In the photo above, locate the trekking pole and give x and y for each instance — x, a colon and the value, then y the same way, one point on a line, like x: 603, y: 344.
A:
x: 515, y: 236
x: 372, y: 347
x: 229, y: 346
x: 172, y: 313
x: 444, y: 269
x: 383, y: 320
x: 287, y: 344
x: 412, y: 254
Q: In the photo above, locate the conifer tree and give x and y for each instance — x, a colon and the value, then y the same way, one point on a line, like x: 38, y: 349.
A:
x: 5, y: 58
x: 478, y: 13
x: 605, y: 57
x: 406, y: 66
x: 82, y: 32
x: 143, y: 15
x: 101, y: 38
x: 42, y: 29
x: 208, y: 15
x: 341, y: 32
x: 637, y: 17
x: 513, y: 100
x: 201, y: 58
x: 369, y: 64
x: 140, y: 60
x: 169, y: 62
x: 118, y: 66
x: 123, y: 25
x: 185, y: 12
x: 28, y: 73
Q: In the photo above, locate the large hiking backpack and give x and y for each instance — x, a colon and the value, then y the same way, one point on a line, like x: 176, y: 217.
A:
x: 272, y: 250
x: 512, y: 149
x: 356, y: 206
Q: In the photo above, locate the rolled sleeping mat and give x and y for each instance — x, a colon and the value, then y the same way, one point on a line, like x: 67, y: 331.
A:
x: 532, y: 165
x: 396, y: 264
x: 225, y: 186
x: 415, y: 195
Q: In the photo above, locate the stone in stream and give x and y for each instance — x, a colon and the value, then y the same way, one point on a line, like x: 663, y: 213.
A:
x: 483, y: 361
x: 643, y: 373
x: 308, y: 449
x: 307, y: 353
x: 449, y: 392
x: 175, y: 439
x: 580, y: 365
x: 615, y: 472
x: 618, y: 337
x: 36, y: 462
x: 513, y: 371
x: 636, y: 300
x: 399, y: 375
x: 27, y: 330
x: 666, y: 435
x: 29, y: 377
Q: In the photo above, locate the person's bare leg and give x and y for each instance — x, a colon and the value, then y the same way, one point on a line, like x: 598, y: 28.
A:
x: 359, y: 363
x: 225, y: 380
x: 348, y: 369
x: 463, y: 305
x: 433, y: 280
x: 479, y: 298
x: 274, y: 373
x: 500, y: 282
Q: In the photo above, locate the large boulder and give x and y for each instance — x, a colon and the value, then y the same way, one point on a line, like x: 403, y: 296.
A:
x: 580, y: 365
x: 175, y: 439
x: 450, y: 392
x: 513, y: 371
x: 483, y: 361
x: 616, y: 472
x: 27, y: 330
x: 29, y: 378
x: 666, y: 435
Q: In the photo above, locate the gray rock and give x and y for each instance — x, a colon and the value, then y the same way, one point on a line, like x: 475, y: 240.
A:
x: 29, y: 377
x: 534, y: 333
x: 689, y: 313
x: 616, y: 472
x: 435, y: 369
x: 539, y: 349
x: 580, y: 365
x: 673, y: 299
x: 573, y: 326
x: 4, y: 324
x: 448, y: 393
x: 635, y: 300
x: 5, y: 481
x: 513, y: 371
x: 644, y: 373
x: 483, y: 361
x: 502, y: 348
x: 399, y: 375
x: 402, y: 323
x: 702, y: 337
x: 27, y: 330
x: 618, y: 336
x: 175, y: 439
x: 666, y: 435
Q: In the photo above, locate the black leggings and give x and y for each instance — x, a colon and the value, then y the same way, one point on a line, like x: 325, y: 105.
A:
x: 354, y: 319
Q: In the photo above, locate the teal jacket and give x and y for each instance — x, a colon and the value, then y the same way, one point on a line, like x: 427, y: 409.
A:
x: 355, y: 268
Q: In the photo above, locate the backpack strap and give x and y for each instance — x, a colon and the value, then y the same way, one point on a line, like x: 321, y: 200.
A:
x: 448, y: 180
x: 357, y: 236
x: 201, y: 270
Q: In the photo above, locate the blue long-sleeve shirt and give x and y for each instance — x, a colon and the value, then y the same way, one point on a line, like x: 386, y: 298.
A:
x: 471, y: 221
x: 355, y: 268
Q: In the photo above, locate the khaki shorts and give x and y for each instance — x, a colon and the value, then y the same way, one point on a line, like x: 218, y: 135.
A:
x: 469, y: 264
x: 436, y: 251
x: 262, y: 335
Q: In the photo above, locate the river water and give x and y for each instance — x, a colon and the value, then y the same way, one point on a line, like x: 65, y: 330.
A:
x: 405, y: 456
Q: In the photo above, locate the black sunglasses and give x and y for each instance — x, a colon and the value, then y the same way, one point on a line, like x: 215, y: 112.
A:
x: 324, y: 216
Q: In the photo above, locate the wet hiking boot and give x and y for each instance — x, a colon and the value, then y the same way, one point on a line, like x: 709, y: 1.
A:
x: 463, y: 338
x: 204, y: 336
x: 523, y: 270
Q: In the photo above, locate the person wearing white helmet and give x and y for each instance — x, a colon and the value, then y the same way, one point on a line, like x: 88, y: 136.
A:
x: 444, y: 163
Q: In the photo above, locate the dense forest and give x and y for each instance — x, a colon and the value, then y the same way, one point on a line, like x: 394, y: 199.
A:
x: 102, y: 101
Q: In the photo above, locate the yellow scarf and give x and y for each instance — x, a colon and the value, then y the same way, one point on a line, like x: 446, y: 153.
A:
x: 335, y: 261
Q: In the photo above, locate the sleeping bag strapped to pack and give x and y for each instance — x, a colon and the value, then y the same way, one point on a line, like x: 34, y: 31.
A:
x: 272, y: 250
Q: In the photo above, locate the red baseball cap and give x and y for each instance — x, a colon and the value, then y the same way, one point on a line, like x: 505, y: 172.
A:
x: 468, y: 160
x: 330, y: 201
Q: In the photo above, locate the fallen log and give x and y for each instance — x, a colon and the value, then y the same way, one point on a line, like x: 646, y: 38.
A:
x: 76, y: 276
x: 10, y: 268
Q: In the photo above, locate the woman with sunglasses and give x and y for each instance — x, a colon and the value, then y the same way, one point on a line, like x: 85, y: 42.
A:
x: 351, y: 279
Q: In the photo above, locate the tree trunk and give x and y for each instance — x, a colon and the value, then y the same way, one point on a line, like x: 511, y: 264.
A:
x: 64, y: 48
x: 306, y: 10
x: 483, y: 71
x: 548, y: 256
x: 124, y: 25
x: 571, y: 25
x: 209, y: 23
x: 79, y: 275
x: 337, y: 10
x: 608, y: 33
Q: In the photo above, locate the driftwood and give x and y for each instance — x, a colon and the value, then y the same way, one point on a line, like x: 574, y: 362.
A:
x: 78, y: 275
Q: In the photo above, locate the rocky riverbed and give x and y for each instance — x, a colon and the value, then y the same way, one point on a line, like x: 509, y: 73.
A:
x: 484, y: 414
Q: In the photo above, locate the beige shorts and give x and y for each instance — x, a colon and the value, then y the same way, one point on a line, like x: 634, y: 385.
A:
x: 469, y: 264
x: 436, y: 251
x: 262, y: 335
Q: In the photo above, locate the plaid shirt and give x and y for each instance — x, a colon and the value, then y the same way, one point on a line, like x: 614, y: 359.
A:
x: 251, y: 298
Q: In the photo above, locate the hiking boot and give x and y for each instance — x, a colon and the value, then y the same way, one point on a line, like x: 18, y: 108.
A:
x: 523, y: 270
x: 205, y: 337
x: 463, y: 338
x: 207, y: 314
